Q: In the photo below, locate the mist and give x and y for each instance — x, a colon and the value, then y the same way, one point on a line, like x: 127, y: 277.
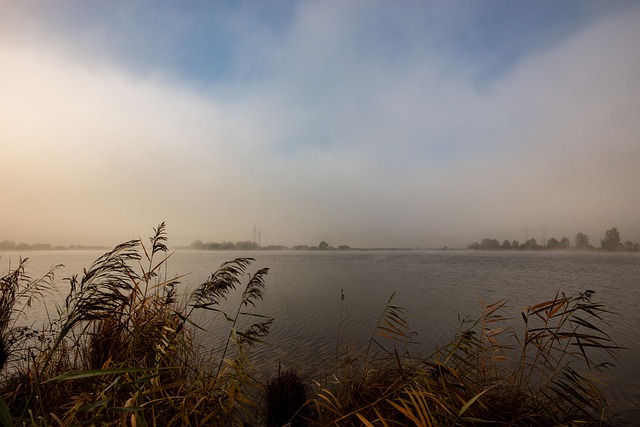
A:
x: 355, y: 123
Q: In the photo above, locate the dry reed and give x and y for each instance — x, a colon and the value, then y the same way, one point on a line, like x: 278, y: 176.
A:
x: 122, y: 350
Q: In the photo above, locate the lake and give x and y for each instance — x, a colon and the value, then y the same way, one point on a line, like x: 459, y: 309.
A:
x: 435, y: 288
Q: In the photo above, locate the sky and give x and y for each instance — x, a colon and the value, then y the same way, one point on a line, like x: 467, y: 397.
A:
x: 362, y: 123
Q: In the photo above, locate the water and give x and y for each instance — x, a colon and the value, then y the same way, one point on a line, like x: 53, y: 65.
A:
x: 436, y: 290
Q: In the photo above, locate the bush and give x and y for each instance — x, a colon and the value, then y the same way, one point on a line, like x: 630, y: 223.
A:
x: 286, y: 399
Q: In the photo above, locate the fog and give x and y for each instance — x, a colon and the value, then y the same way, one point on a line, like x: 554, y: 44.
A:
x: 359, y: 123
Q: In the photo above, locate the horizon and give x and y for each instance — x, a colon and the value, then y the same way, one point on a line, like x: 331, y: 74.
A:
x: 360, y: 123
x: 20, y: 245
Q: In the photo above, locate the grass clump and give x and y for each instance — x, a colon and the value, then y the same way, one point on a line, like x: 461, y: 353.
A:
x: 121, y: 349
x: 545, y: 374
x: 286, y: 399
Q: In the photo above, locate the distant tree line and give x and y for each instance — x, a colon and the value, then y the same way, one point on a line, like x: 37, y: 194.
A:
x: 7, y: 245
x: 322, y: 246
x: 610, y: 242
x: 225, y: 246
x: 247, y: 246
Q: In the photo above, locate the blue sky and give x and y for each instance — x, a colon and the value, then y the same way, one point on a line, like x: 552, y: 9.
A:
x: 366, y: 123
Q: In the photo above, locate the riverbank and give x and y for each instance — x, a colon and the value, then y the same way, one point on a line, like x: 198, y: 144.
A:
x: 145, y: 371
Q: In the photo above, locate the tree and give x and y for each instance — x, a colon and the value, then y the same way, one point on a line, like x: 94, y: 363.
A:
x: 553, y: 243
x: 506, y: 245
x: 611, y: 240
x: 564, y: 243
x: 531, y: 244
x: 323, y: 245
x: 490, y: 244
x: 582, y: 241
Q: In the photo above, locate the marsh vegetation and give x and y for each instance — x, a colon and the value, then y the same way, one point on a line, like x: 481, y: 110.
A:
x: 123, y: 349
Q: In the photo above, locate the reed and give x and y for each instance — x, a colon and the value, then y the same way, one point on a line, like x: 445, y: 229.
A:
x: 286, y: 399
x: 362, y: 382
x: 545, y: 374
x: 123, y: 349
x: 18, y: 292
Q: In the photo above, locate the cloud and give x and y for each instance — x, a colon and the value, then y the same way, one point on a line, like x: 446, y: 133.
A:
x: 95, y: 145
x: 571, y: 110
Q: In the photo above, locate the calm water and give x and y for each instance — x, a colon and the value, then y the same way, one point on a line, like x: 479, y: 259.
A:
x: 436, y: 289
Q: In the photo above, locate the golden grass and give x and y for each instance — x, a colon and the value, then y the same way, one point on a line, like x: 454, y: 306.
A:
x: 122, y: 351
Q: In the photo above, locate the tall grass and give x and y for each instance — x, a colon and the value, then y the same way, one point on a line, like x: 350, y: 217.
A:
x: 547, y: 373
x: 18, y: 292
x: 123, y: 349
